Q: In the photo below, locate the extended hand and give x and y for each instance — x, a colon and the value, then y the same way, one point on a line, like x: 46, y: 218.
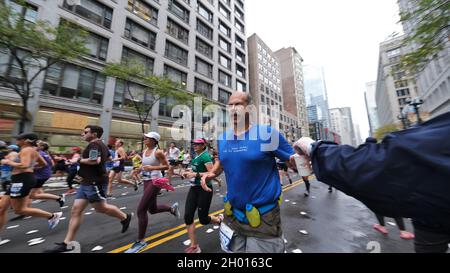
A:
x: 203, y: 182
x: 305, y: 144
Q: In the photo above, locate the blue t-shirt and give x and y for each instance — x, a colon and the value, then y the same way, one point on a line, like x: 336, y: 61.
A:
x: 249, y: 164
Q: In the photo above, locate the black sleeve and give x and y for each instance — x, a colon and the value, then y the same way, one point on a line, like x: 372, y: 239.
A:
x: 407, y: 175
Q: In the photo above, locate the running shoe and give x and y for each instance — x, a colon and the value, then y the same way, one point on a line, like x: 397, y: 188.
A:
x: 380, y: 229
x: 406, y: 235
x: 53, y: 222
x: 306, y: 193
x: 136, y: 247
x: 126, y: 223
x: 62, y: 200
x: 193, y: 249
x: 59, y: 248
x: 175, y: 210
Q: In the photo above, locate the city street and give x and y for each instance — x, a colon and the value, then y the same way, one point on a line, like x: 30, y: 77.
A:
x: 321, y: 223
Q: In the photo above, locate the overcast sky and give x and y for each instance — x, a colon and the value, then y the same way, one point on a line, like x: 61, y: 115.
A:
x: 342, y: 36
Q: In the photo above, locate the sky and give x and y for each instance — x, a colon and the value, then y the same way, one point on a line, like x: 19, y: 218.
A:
x: 342, y: 36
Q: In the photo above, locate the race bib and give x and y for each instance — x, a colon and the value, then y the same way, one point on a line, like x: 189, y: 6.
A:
x: 116, y: 164
x: 15, y: 189
x: 226, y: 234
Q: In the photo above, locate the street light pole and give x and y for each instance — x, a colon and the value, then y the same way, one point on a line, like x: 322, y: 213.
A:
x: 416, y: 104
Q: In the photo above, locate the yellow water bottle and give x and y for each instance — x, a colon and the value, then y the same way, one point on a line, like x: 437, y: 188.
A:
x: 280, y: 199
x: 227, y: 206
x: 253, y: 217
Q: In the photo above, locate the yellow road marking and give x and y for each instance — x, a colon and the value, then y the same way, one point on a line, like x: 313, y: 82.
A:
x: 182, y: 232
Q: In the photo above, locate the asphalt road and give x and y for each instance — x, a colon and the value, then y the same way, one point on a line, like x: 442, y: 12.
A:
x: 320, y: 223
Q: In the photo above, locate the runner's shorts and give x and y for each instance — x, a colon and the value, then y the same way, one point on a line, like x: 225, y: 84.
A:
x: 92, y: 193
x: 21, y: 185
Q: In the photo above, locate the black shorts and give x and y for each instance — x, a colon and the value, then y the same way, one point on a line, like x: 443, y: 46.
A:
x: 173, y: 162
x: 118, y: 169
x: 60, y: 167
x: 21, y: 185
x: 39, y: 183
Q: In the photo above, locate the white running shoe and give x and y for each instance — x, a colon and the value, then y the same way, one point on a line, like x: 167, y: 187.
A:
x: 53, y: 222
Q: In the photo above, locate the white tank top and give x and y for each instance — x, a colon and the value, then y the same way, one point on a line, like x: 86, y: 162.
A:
x: 150, y: 161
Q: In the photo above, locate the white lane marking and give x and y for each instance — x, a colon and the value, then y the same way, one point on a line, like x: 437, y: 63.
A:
x: 297, y: 251
x: 28, y: 217
x: 32, y: 231
x: 303, y: 232
x: 65, y: 207
x: 215, y: 227
x: 391, y: 223
x: 3, y: 242
x: 303, y: 213
x: 11, y: 227
x: 187, y: 242
x: 122, y: 208
x: 294, y: 203
x: 209, y: 230
x: 36, y: 242
x: 97, y: 248
x: 87, y: 213
x: 35, y: 239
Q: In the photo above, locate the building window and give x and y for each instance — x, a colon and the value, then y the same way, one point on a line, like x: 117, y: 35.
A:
x: 239, y: 26
x: 165, y: 106
x: 240, y: 3
x: 205, y: 13
x: 97, y: 46
x: 203, y: 68
x: 224, y: 61
x: 403, y: 92
x: 204, y: 88
x: 240, y: 42
x: 240, y: 86
x: 176, y: 53
x: 127, y: 96
x: 224, y: 11
x: 70, y: 81
x: 131, y: 55
x: 228, y: 2
x: 178, y: 10
x: 402, y: 101
x: 28, y: 12
x: 177, y: 31
x: 204, y: 48
x: 240, y: 71
x: 400, y: 84
x: 144, y: 10
x: 224, y: 96
x: 175, y: 75
x: 223, y: 44
x: 224, y: 78
x: 204, y: 30
x: 240, y: 56
x: 393, y: 52
x: 140, y: 35
x: 224, y: 29
x: 93, y: 11
x: 239, y: 13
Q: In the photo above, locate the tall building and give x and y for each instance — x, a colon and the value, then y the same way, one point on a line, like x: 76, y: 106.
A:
x: 293, y: 86
x: 316, y: 94
x: 200, y: 44
x: 394, y: 86
x: 342, y: 124
x: 433, y: 81
x: 371, y: 107
x: 265, y: 87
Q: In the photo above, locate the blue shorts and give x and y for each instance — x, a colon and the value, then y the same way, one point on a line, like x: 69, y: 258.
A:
x: 92, y: 193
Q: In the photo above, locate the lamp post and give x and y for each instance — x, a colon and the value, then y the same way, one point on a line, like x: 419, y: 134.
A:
x: 416, y: 104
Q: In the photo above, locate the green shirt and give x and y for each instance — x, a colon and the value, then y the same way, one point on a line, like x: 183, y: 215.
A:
x: 198, y: 165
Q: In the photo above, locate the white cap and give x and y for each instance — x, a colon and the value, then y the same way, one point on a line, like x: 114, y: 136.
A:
x: 153, y: 135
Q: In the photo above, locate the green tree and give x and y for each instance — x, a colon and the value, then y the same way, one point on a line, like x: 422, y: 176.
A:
x: 430, y: 33
x: 33, y: 47
x: 152, y: 89
x: 381, y: 132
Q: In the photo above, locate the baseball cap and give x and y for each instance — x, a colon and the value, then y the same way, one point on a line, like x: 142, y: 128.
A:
x: 153, y: 135
x: 28, y: 136
x: 13, y: 147
x: 199, y: 141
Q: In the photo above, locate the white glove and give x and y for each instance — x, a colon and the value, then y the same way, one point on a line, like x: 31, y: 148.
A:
x: 305, y: 144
